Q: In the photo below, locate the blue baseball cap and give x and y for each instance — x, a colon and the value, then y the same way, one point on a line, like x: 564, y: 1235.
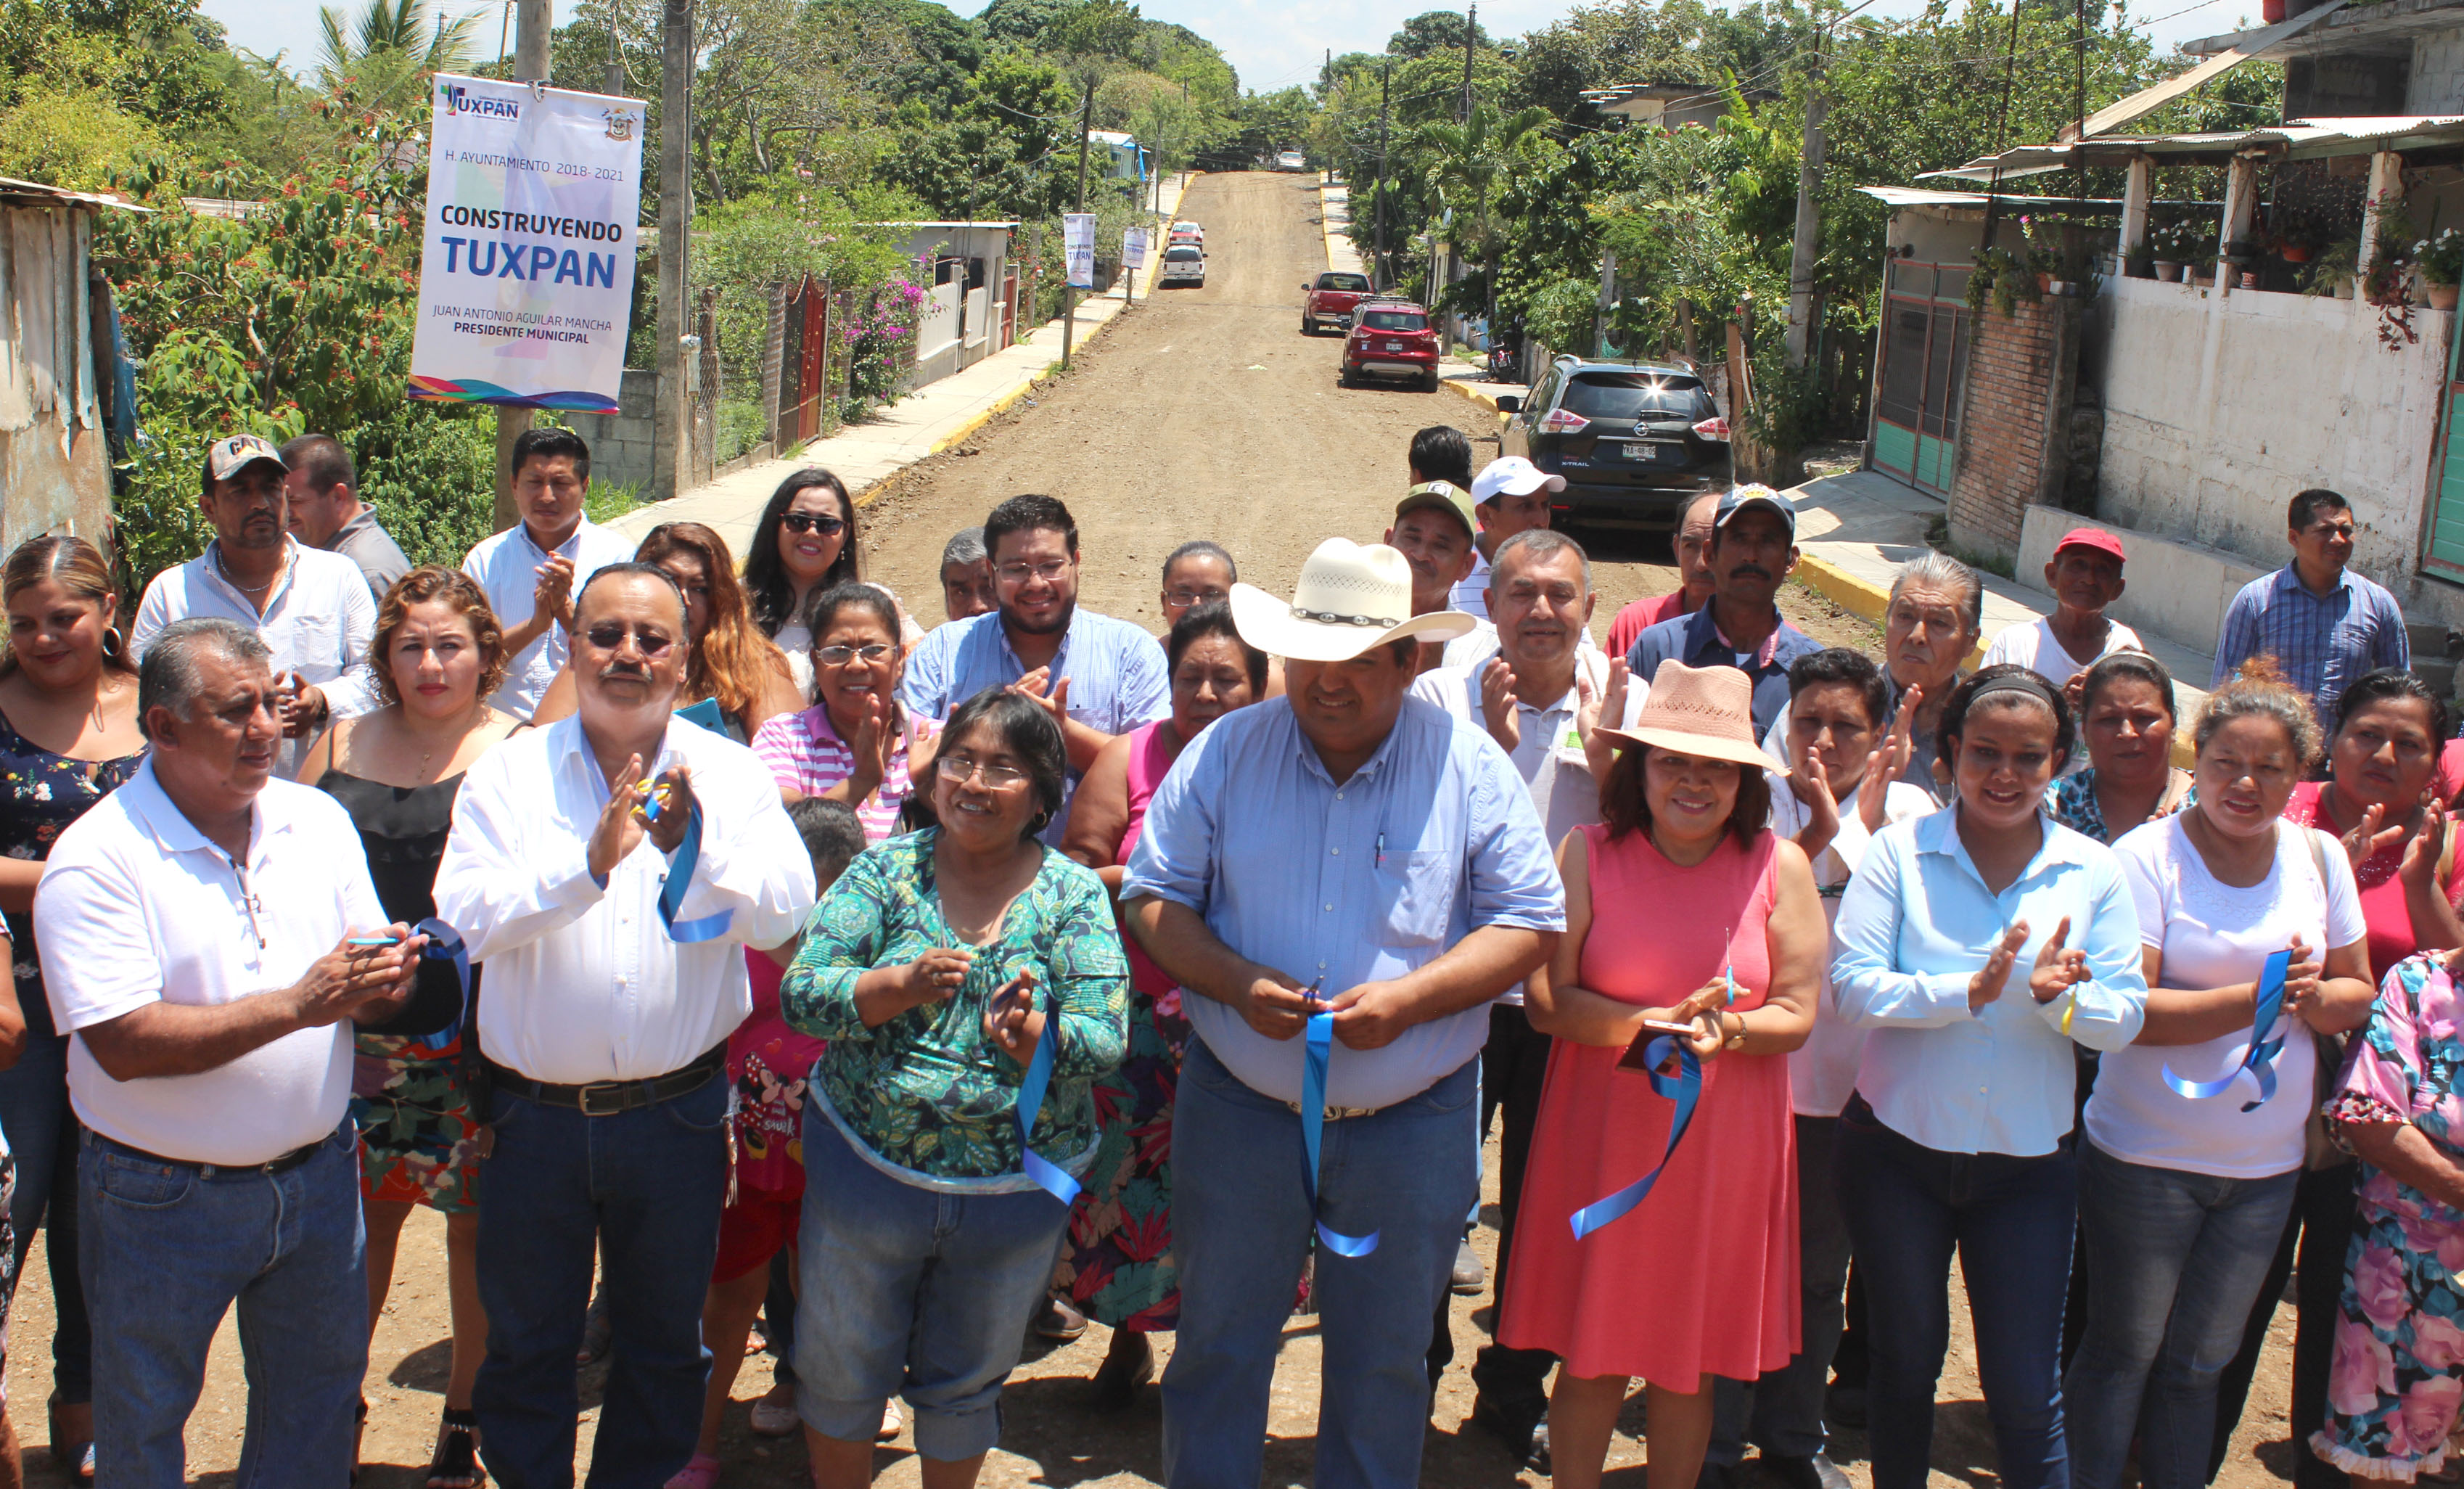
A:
x: 1739, y: 498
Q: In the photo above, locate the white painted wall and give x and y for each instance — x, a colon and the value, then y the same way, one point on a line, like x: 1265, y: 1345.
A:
x: 2219, y: 407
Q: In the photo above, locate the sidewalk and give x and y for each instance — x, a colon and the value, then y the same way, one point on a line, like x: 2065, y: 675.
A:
x: 932, y: 419
x: 1855, y: 530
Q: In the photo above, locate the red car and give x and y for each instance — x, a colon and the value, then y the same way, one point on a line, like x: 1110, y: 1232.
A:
x: 1330, y: 299
x: 1391, y: 339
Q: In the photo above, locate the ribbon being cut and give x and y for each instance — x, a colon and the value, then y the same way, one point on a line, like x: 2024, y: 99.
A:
x: 680, y: 872
x: 1050, y: 1177
x: 2260, y: 1059
x: 1318, y: 1046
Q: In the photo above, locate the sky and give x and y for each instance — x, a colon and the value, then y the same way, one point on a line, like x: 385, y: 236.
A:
x: 1271, y: 43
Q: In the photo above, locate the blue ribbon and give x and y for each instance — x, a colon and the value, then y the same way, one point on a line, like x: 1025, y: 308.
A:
x: 680, y: 872
x: 1316, y: 1047
x: 445, y: 944
x: 2259, y: 1061
x: 1686, y: 1089
x: 1049, y: 1177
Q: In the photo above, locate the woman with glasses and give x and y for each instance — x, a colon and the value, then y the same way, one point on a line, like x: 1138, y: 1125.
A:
x: 438, y: 654
x: 855, y: 744
x: 68, y: 738
x: 805, y: 543
x: 735, y: 681
x: 937, y: 966
x: 1118, y: 1266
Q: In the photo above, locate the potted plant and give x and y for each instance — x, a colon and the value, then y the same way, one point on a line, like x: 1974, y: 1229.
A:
x: 2139, y: 263
x: 2441, y: 260
x: 2175, y: 245
x: 2330, y: 271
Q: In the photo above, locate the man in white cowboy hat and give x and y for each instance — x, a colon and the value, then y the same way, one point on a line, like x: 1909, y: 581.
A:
x: 1350, y: 853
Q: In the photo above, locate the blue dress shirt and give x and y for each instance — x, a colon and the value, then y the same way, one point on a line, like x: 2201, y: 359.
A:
x: 1917, y: 921
x: 1434, y: 837
x: 1695, y: 641
x: 2320, y: 643
x: 1116, y: 674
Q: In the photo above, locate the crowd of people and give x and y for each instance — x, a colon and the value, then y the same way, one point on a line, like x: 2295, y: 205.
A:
x: 712, y: 943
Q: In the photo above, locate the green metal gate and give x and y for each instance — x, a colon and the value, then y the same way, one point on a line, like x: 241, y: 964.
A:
x: 1923, y: 357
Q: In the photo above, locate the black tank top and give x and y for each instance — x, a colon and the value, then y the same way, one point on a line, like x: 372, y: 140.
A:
x: 403, y: 829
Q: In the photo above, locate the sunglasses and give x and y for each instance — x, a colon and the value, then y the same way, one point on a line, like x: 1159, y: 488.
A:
x: 608, y: 635
x: 811, y: 522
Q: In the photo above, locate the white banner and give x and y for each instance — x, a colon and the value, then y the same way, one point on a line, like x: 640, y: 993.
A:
x: 526, y: 267
x: 1078, y: 244
x: 1134, y: 249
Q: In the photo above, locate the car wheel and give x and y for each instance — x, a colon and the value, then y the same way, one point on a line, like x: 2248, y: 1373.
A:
x: 1345, y: 379
x: 1429, y: 384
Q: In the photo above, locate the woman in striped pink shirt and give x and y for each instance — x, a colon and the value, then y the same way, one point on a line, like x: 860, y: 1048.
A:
x: 854, y: 744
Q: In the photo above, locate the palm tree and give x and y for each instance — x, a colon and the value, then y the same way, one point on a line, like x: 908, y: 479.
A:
x: 1468, y: 166
x: 397, y: 30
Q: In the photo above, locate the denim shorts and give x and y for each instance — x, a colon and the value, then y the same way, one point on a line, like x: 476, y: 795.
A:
x: 908, y: 1292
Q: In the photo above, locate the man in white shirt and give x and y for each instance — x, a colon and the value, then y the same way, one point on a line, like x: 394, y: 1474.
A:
x: 532, y: 571
x: 612, y: 914
x: 312, y: 607
x: 2085, y: 575
x: 1510, y: 496
x: 210, y: 932
x: 1527, y: 697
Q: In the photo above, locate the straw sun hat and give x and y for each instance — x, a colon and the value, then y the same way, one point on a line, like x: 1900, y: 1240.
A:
x: 1705, y: 712
x: 1352, y: 598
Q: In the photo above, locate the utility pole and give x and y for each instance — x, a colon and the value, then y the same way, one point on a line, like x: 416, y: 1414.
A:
x: 1377, y: 265
x: 670, y: 465
x: 530, y: 65
x: 1809, y: 226
x: 1068, y: 290
x: 616, y: 83
x: 1471, y: 29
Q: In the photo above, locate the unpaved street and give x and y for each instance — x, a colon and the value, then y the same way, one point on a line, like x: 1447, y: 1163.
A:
x: 1202, y: 413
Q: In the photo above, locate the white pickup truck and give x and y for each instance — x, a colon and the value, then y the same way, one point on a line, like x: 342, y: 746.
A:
x: 1183, y: 263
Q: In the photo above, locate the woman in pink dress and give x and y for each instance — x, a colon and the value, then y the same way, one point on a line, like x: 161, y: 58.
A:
x: 1119, y: 1263
x: 1679, y: 907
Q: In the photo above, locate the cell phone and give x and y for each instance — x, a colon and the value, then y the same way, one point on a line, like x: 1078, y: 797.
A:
x: 1652, y: 1029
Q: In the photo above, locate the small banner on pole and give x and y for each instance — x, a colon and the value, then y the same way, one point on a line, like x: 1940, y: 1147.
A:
x: 1134, y: 249
x: 1078, y: 246
x: 527, y: 266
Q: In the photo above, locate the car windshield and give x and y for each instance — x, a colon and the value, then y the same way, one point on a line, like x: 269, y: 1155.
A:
x: 1357, y: 284
x: 1184, y: 253
x: 1395, y: 321
x: 1631, y: 395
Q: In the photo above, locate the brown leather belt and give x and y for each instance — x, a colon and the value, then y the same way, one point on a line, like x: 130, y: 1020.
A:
x: 282, y: 1163
x: 608, y: 1098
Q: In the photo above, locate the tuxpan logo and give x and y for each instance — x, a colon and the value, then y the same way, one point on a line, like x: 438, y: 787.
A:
x: 458, y: 99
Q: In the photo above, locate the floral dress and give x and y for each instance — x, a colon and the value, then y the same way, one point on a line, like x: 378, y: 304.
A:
x: 2398, y: 1372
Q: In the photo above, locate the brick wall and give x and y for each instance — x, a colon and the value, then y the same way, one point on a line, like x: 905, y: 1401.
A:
x: 2022, y: 371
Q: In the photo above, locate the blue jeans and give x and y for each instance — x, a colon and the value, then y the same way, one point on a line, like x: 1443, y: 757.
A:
x: 2174, y: 1261
x: 2010, y: 1219
x: 169, y: 1248
x: 912, y: 1292
x: 1240, y: 1225
x: 645, y: 1189
x: 43, y: 1136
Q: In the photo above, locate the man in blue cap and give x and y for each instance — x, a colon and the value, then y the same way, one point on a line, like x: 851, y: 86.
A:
x: 1754, y: 548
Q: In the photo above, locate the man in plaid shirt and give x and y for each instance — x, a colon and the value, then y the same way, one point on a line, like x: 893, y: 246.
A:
x: 2323, y: 625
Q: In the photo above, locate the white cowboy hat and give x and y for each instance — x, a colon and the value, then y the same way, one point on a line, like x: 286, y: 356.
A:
x: 1352, y: 597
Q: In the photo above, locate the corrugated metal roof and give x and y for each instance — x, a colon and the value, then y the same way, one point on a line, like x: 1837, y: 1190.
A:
x: 2300, y: 141
x: 1916, y: 196
x: 11, y: 186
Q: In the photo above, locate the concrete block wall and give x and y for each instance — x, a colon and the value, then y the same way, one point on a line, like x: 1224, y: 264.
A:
x: 620, y: 443
x: 2172, y: 588
x: 2015, y: 405
x: 2437, y: 85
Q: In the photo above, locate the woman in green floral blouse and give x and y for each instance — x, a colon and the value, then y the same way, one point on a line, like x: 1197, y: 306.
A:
x: 936, y: 966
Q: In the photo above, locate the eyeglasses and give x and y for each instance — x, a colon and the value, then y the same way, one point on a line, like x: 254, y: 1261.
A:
x: 608, y: 635
x: 811, y: 522
x: 1047, y: 571
x: 1191, y: 596
x: 958, y: 769
x: 841, y: 656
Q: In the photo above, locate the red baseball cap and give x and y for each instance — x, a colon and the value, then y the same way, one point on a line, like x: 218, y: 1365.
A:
x: 2095, y: 537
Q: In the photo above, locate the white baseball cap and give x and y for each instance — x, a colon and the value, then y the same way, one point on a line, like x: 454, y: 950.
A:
x: 1514, y: 476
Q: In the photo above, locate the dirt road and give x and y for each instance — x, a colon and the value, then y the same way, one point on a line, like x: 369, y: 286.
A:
x: 1202, y: 413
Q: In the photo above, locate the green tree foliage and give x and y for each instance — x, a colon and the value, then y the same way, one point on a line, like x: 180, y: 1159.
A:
x: 1468, y: 166
x: 397, y: 30
x: 1433, y: 30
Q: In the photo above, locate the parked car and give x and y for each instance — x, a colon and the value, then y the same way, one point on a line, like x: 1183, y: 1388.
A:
x: 1291, y: 160
x: 1187, y: 232
x: 1183, y: 263
x: 1391, y: 339
x: 1331, y: 301
x: 1635, y: 440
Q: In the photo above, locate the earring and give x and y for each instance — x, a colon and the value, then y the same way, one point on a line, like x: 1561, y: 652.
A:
x: 112, y: 645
